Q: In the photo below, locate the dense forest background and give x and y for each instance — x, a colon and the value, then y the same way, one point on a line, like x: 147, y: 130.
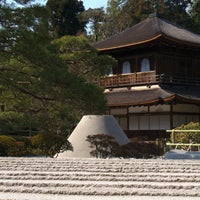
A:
x: 48, y: 66
x: 122, y: 14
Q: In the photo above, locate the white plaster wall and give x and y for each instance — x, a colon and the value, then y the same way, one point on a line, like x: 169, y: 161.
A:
x: 122, y: 121
x: 153, y: 122
x: 144, y: 123
x: 165, y: 122
x: 134, y: 123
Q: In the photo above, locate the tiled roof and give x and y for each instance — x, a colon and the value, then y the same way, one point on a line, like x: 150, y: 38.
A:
x: 148, y: 30
x: 150, y: 96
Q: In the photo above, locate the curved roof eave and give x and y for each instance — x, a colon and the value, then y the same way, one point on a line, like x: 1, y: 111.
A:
x: 161, y: 35
x: 147, y: 31
x: 169, y: 38
x: 159, y: 100
x: 131, y: 44
x: 187, y: 100
x: 145, y: 103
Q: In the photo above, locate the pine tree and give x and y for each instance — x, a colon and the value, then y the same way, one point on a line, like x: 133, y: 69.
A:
x: 66, y: 17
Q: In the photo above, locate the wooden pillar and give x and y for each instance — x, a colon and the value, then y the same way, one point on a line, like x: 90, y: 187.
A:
x: 173, y: 136
x: 199, y: 114
x: 127, y: 116
x: 155, y: 62
x: 108, y: 111
x: 149, y: 116
x: 136, y: 63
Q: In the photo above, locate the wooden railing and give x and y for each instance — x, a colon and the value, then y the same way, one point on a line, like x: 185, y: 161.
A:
x: 179, y: 80
x: 145, y: 78
x: 138, y: 78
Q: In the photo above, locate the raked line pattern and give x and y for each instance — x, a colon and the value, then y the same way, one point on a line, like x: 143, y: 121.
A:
x: 101, y: 177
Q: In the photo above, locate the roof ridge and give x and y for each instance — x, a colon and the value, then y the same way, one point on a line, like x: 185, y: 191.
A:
x: 125, y: 30
x: 150, y: 29
x: 158, y: 24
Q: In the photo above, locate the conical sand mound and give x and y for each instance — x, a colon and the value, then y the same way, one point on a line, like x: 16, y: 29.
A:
x: 93, y: 125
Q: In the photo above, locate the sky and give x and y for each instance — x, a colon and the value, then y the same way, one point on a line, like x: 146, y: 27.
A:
x: 94, y: 3
x: 87, y: 3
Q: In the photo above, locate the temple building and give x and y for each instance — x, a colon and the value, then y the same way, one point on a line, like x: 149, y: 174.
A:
x: 156, y: 85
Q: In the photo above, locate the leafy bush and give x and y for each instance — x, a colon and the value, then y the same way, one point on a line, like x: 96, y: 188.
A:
x: 7, y: 145
x: 23, y: 146
x: 103, y: 144
x: 50, y: 144
x: 189, y: 136
x: 139, y: 149
x: 15, y: 146
x: 11, y: 122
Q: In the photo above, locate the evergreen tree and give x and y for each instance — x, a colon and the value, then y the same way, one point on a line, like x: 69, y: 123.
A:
x: 195, y: 12
x: 65, y: 17
x: 38, y: 91
x: 122, y: 14
x: 95, y: 19
x: 177, y: 12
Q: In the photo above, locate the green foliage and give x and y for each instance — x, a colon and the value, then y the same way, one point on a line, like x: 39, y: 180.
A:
x: 38, y: 84
x: 11, y: 122
x: 122, y: 14
x: 132, y: 11
x: 82, y: 58
x: 84, y: 61
x: 50, y: 144
x: 95, y: 18
x: 6, y: 145
x: 189, y: 136
x: 195, y: 12
x: 103, y: 144
x: 177, y: 12
x: 139, y: 149
x: 15, y: 146
x: 66, y: 17
x: 24, y: 146
x: 38, y: 145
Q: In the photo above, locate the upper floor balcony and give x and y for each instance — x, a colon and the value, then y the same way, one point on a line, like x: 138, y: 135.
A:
x: 145, y: 78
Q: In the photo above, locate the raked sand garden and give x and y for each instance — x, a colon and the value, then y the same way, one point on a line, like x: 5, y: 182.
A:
x: 98, y: 179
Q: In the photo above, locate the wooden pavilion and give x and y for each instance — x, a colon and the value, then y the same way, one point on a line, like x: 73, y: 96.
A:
x: 156, y: 85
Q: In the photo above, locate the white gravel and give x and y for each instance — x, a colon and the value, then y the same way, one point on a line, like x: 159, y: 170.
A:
x: 11, y: 196
x: 98, y: 179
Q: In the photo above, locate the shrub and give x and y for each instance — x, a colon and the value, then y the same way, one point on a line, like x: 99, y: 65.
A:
x: 103, y: 144
x: 7, y: 145
x: 189, y: 136
x: 50, y: 144
x: 23, y: 146
x: 139, y: 149
x: 11, y: 122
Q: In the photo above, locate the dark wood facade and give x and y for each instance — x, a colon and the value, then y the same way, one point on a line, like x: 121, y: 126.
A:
x: 156, y: 85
